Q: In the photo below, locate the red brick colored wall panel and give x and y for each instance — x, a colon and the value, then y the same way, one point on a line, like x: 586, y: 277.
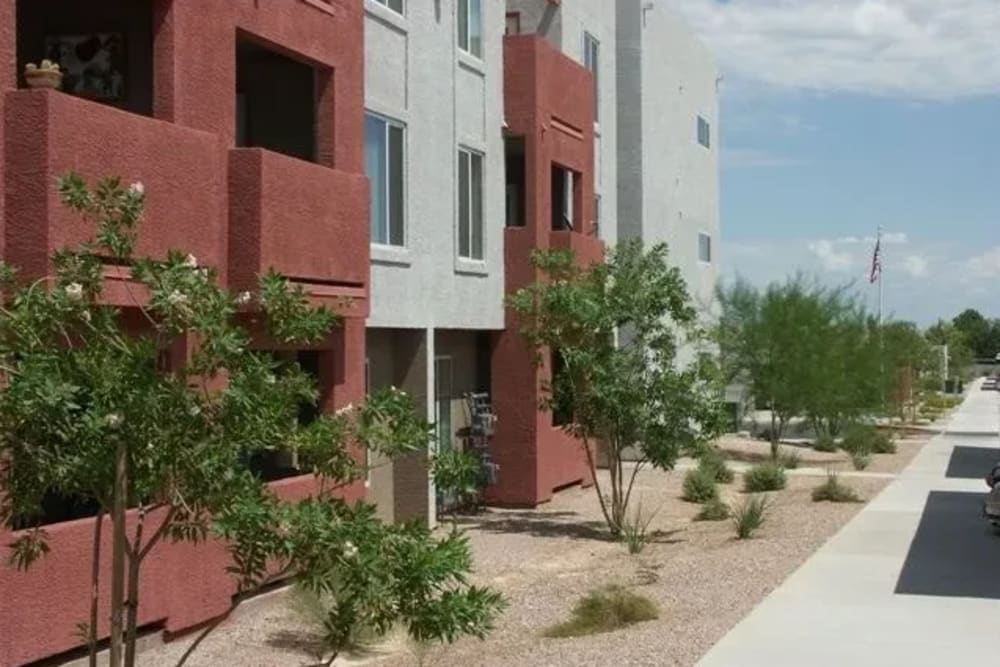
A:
x: 306, y: 221
x: 53, y: 134
x: 8, y: 79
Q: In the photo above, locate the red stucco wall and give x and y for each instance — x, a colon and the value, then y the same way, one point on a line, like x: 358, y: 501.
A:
x: 310, y: 221
x: 548, y: 100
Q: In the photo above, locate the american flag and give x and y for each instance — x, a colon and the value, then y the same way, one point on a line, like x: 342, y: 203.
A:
x: 876, y: 262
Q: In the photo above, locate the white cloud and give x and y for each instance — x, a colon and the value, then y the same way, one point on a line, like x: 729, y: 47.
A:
x: 830, y: 258
x: 915, y: 265
x: 917, y: 49
x: 984, y: 265
x: 753, y: 158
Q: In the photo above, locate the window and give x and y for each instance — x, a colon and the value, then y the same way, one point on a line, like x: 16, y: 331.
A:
x: 704, y: 133
x: 394, y: 5
x: 563, y: 193
x: 470, y: 26
x: 513, y: 25
x: 384, y: 161
x: 442, y: 403
x: 704, y: 248
x: 470, y: 205
x: 592, y: 61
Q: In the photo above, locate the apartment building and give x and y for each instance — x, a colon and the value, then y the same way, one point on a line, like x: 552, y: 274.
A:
x: 245, y: 122
x: 406, y: 154
x: 668, y: 143
x: 435, y: 157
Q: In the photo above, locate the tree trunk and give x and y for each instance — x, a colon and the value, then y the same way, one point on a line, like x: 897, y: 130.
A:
x: 131, y: 621
x: 774, y: 435
x: 95, y: 580
x: 118, y: 552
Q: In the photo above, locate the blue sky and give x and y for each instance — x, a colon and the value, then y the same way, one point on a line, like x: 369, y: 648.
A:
x: 842, y: 115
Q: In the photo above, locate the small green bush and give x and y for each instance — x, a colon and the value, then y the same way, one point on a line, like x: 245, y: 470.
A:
x: 832, y: 491
x: 861, y: 460
x: 713, y: 463
x: 883, y: 443
x: 713, y: 510
x: 825, y: 443
x: 859, y: 438
x: 635, y: 531
x: 764, y: 477
x: 699, y: 486
x: 605, y: 610
x: 750, y: 516
x: 789, y: 459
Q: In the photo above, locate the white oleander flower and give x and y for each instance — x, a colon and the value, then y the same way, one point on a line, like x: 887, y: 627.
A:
x: 194, y: 411
x: 74, y: 291
x: 350, y: 551
x: 191, y: 262
x: 137, y: 188
x: 344, y: 410
x: 244, y: 298
x: 177, y: 298
x: 114, y: 420
x: 85, y: 315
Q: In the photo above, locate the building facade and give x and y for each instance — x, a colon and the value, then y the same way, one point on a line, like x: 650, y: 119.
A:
x: 668, y: 143
x: 245, y: 122
x: 434, y: 105
x: 407, y: 155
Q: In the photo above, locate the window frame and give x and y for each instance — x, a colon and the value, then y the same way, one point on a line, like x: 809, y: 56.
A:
x: 466, y: 47
x: 468, y: 254
x: 703, y: 123
x: 592, y: 61
x: 386, y: 3
x: 389, y: 124
x: 516, y: 17
x: 706, y: 246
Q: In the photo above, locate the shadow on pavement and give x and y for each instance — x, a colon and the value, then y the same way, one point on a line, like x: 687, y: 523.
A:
x: 955, y: 553
x: 972, y: 462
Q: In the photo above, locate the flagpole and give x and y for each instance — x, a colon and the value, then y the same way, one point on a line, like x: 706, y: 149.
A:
x: 881, y: 277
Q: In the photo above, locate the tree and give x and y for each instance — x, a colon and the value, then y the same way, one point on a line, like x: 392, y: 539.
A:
x: 805, y: 350
x: 88, y: 411
x: 982, y: 336
x: 960, y: 357
x: 630, y: 393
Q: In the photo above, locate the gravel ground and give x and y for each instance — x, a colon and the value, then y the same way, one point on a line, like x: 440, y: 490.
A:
x: 543, y: 560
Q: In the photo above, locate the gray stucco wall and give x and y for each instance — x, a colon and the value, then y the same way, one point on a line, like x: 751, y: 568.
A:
x: 675, y: 190
x: 416, y: 74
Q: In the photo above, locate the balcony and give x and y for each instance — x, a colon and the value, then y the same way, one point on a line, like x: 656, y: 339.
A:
x: 306, y: 221
x: 49, y: 133
x: 587, y: 249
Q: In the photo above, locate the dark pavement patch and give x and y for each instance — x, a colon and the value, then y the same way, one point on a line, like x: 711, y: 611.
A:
x: 955, y: 552
x: 972, y: 462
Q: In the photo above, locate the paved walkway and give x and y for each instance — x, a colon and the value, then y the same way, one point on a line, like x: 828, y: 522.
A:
x: 913, y: 579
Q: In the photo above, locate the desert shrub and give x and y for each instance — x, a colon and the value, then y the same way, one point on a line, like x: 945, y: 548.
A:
x: 825, y: 443
x: 713, y: 510
x: 764, y: 477
x: 832, y: 491
x: 789, y: 459
x: 713, y: 463
x: 458, y: 477
x: 605, y: 610
x: 749, y: 516
x: 861, y: 460
x: 699, y: 486
x: 859, y: 438
x: 882, y: 443
x: 635, y: 529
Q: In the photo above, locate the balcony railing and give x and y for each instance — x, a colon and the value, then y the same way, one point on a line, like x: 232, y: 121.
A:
x: 49, y: 134
x: 306, y: 221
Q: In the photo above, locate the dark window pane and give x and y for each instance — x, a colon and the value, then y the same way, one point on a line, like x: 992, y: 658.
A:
x: 477, y: 206
x: 397, y: 206
x: 375, y: 161
x: 463, y: 204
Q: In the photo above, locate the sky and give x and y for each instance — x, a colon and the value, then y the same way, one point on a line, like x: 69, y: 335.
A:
x: 840, y: 116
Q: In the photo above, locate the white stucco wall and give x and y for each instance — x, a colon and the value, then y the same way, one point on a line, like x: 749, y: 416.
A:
x: 667, y: 78
x: 415, y: 73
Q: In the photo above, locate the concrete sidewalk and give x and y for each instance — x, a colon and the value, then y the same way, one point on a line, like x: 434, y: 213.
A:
x: 913, y: 579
